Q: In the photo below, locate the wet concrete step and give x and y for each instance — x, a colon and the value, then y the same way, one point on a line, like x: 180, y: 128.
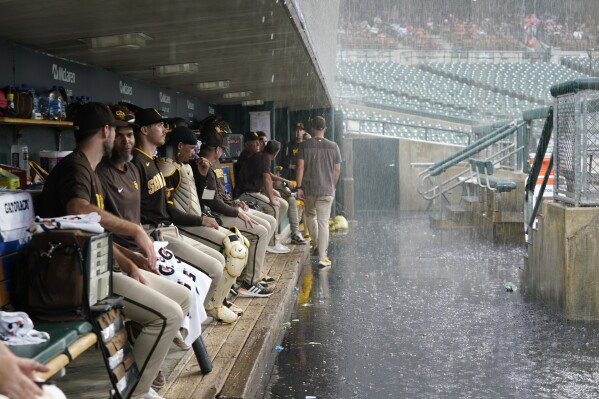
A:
x: 503, y: 227
x: 444, y: 222
x: 470, y: 199
x: 462, y: 215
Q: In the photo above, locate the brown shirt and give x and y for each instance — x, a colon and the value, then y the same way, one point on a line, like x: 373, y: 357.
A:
x: 73, y: 177
x: 122, y: 195
x: 250, y: 177
x: 152, y: 190
x: 320, y: 157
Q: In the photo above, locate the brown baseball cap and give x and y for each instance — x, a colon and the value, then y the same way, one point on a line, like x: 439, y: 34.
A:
x: 91, y: 117
x: 148, y: 116
x: 251, y: 136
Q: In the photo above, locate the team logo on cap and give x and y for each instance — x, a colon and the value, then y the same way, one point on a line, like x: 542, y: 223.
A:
x: 120, y: 114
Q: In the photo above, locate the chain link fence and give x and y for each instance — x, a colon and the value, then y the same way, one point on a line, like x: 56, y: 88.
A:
x: 577, y: 148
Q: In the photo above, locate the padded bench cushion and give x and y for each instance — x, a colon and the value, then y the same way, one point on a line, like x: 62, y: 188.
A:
x: 484, y: 169
x: 61, y: 336
x: 502, y: 186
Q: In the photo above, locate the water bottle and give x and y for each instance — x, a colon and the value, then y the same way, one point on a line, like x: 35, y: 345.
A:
x: 62, y: 110
x: 43, y: 104
x: 56, y: 108
x: 35, y: 112
x: 53, y: 105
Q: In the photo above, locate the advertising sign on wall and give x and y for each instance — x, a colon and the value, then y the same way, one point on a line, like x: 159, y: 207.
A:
x: 42, y: 71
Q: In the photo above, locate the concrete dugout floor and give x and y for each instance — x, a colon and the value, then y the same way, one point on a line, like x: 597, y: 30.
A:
x: 409, y: 312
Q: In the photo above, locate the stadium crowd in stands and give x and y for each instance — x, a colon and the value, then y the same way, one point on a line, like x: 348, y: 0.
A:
x: 363, y: 26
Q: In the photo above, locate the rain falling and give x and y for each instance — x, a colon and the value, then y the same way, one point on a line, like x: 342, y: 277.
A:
x: 384, y: 198
x: 447, y: 283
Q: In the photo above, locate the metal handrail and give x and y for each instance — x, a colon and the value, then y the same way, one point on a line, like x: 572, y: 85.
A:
x: 531, y: 208
x: 437, y: 192
x: 436, y: 169
x: 477, y: 146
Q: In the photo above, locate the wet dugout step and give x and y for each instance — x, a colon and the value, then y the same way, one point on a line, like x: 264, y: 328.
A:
x: 243, y: 353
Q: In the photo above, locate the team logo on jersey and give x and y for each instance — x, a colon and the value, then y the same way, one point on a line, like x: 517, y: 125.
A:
x: 147, y: 164
x: 100, y: 201
x: 295, y: 151
x: 219, y: 173
x: 135, y: 184
x: 156, y: 183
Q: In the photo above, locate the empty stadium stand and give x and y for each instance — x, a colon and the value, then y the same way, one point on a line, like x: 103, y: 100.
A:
x: 530, y: 81
x: 378, y: 123
x: 410, y: 88
x: 467, y: 93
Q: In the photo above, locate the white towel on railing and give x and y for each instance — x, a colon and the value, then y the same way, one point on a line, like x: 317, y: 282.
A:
x: 87, y: 222
x: 16, y: 328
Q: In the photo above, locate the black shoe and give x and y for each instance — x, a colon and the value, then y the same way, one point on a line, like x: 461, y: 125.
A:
x: 254, y: 291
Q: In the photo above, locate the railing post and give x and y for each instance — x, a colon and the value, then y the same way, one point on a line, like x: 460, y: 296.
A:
x: 522, y: 142
x: 348, y: 176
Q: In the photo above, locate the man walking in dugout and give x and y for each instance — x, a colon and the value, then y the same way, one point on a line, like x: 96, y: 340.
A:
x: 318, y: 169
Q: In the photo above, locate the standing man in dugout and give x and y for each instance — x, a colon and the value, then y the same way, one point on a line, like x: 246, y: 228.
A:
x: 318, y: 169
x: 73, y: 188
x: 258, y: 227
x: 289, y: 153
x: 289, y: 165
x: 160, y: 220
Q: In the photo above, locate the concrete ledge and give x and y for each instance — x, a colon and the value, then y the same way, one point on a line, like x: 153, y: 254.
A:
x: 250, y: 374
x: 562, y: 268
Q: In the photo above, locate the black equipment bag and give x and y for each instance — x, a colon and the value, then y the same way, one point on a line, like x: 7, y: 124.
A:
x: 64, y: 271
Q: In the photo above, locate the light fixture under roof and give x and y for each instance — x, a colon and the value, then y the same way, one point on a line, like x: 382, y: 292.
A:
x: 215, y: 85
x: 177, y: 69
x: 249, y: 103
x: 237, y: 94
x: 126, y: 41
